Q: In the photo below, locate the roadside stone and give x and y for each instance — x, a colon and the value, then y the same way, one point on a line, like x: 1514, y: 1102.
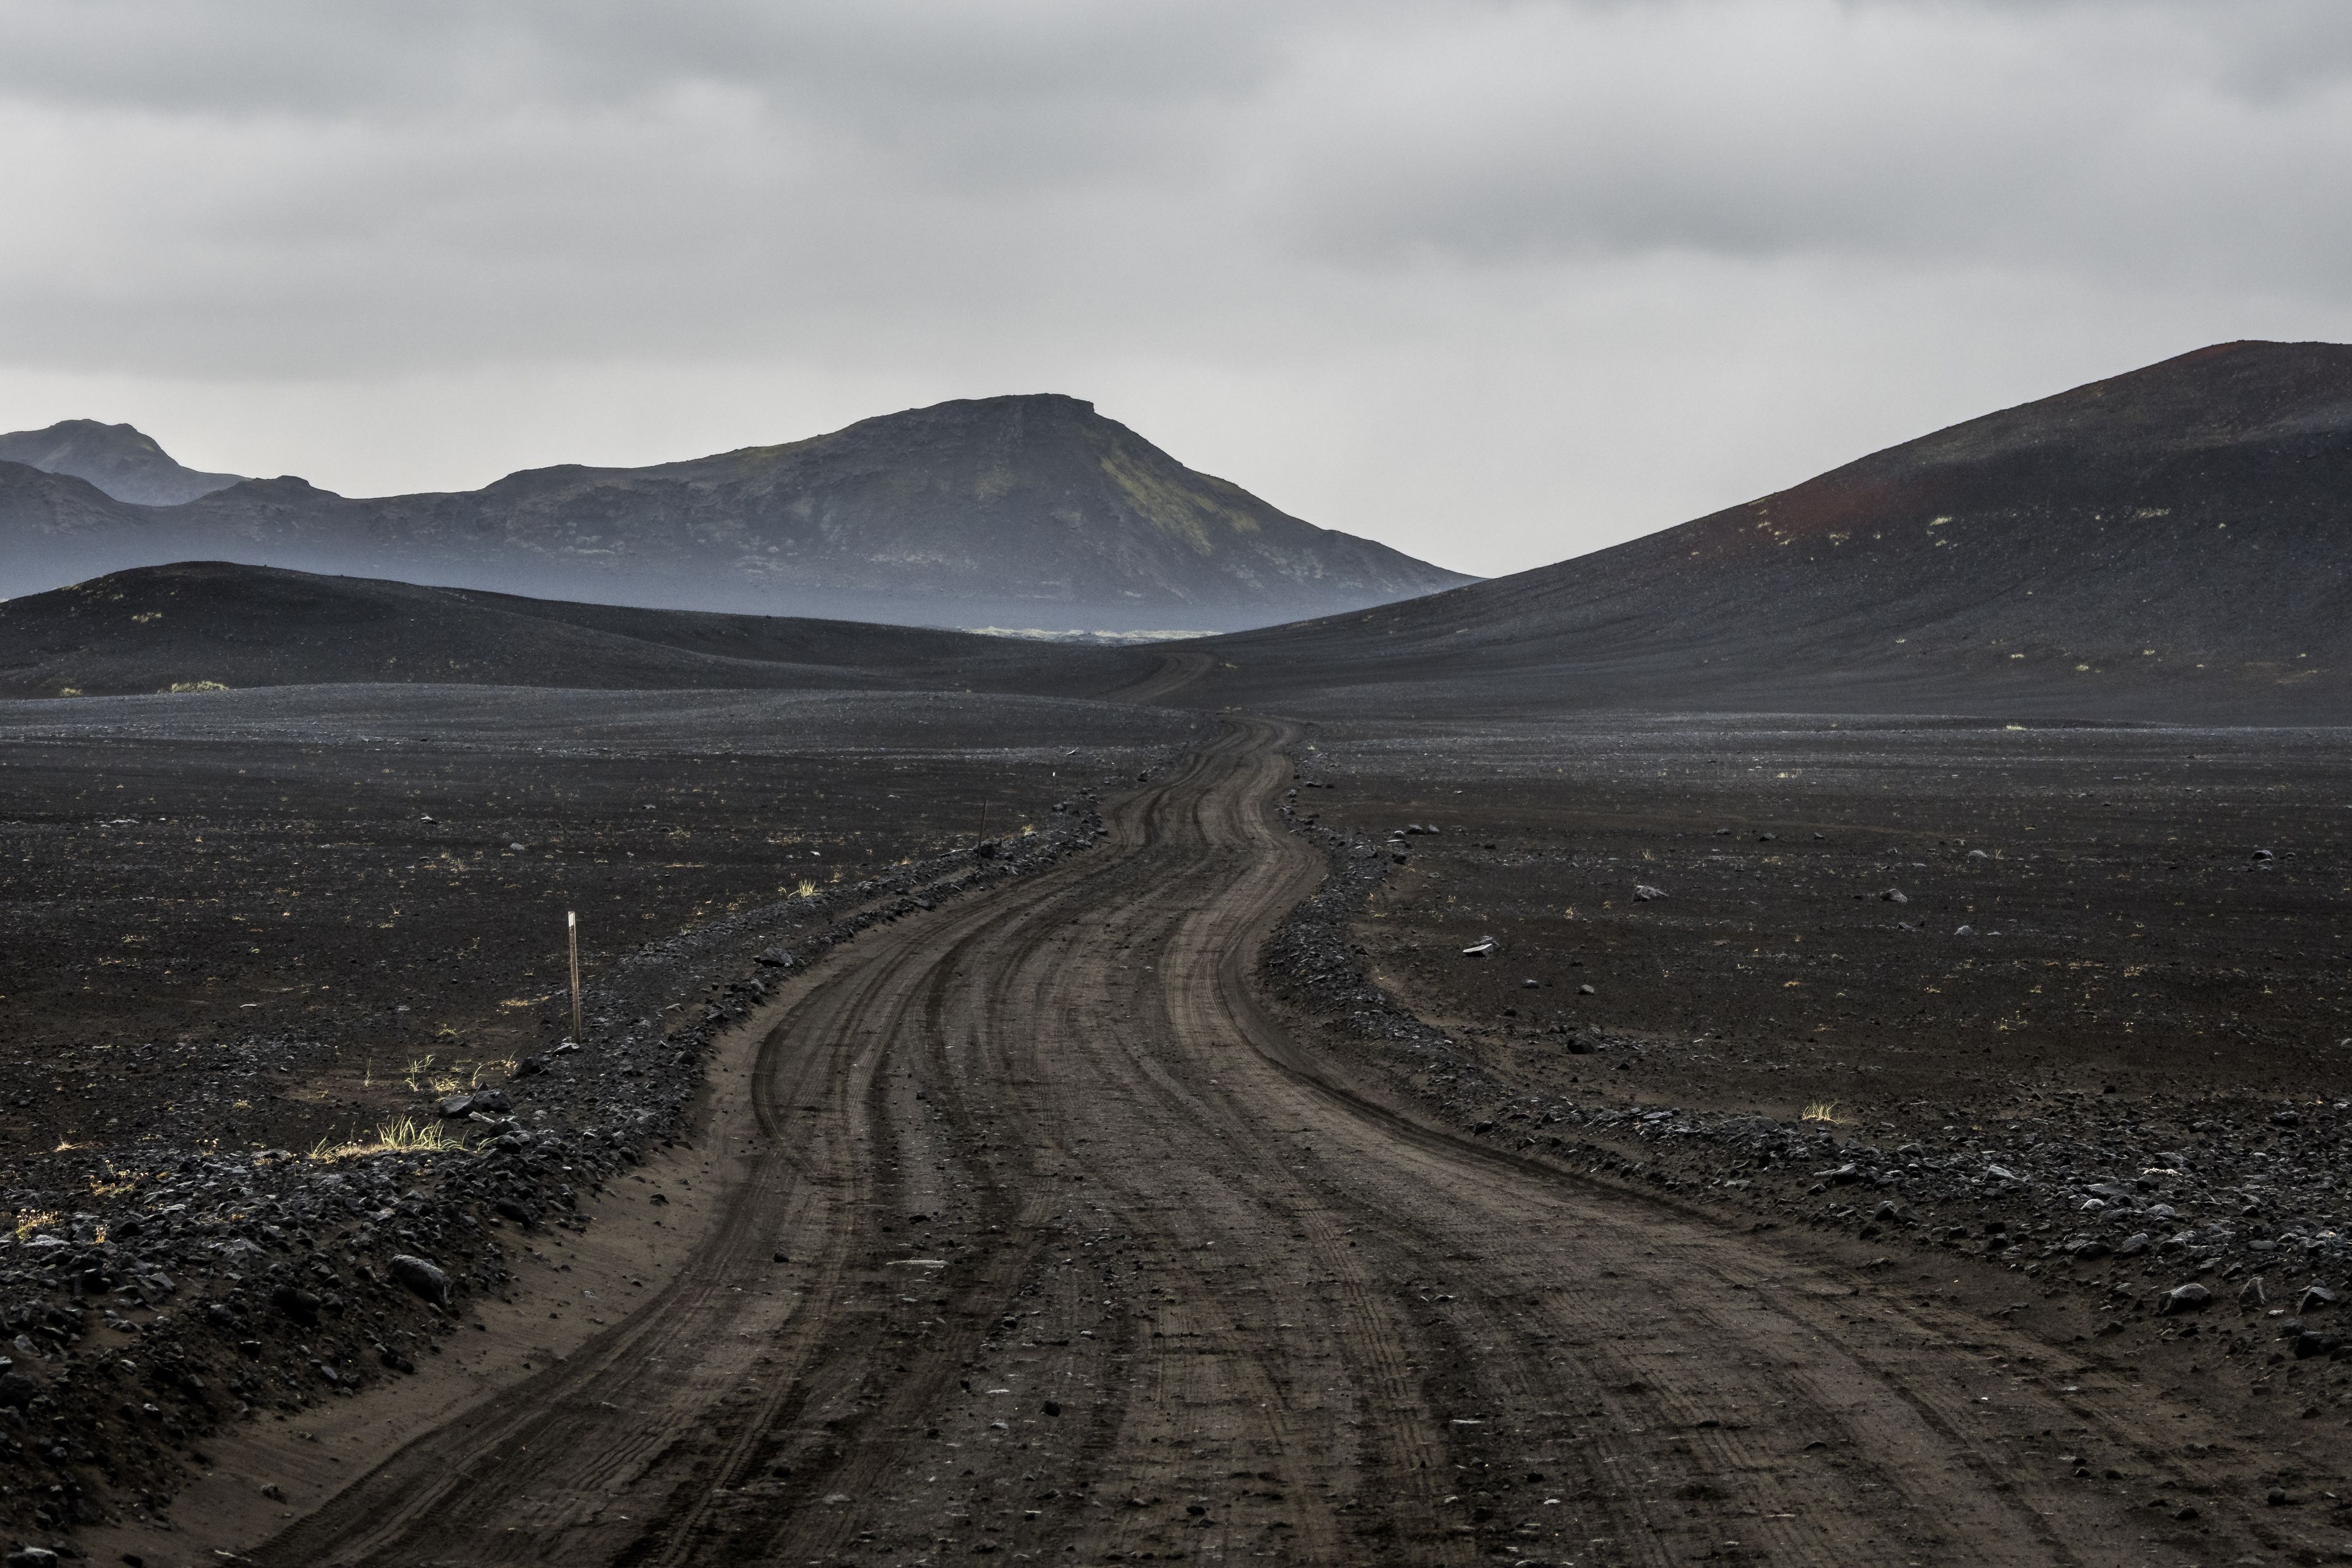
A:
x: 2189, y: 1298
x: 296, y: 1303
x: 425, y: 1278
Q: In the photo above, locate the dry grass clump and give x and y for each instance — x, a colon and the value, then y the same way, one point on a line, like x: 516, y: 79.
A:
x: 405, y: 1136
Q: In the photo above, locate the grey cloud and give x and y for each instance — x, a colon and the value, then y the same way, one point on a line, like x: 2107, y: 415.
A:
x: 2008, y: 135
x: 1393, y: 263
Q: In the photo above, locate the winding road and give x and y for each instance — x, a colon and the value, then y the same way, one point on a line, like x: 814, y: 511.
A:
x: 1088, y: 1261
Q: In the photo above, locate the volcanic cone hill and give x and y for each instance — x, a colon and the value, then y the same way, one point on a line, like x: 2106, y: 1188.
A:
x: 1021, y: 512
x: 202, y: 625
x: 2172, y: 543
x: 118, y: 460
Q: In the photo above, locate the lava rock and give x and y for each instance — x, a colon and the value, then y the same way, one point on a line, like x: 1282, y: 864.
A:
x: 425, y: 1278
x: 296, y: 1303
x: 2189, y: 1298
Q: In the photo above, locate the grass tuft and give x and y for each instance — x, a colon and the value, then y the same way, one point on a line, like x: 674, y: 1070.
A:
x: 405, y: 1136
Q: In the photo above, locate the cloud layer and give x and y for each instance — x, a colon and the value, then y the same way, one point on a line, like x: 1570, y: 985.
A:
x: 1496, y: 282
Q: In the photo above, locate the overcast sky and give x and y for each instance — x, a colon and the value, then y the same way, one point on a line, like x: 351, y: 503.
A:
x: 1496, y: 282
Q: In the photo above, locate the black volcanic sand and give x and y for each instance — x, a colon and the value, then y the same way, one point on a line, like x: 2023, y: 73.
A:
x: 2132, y: 1075
x: 2125, y: 931
x: 227, y: 916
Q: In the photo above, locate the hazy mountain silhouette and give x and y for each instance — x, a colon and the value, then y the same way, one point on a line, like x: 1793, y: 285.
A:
x: 1024, y: 512
x: 123, y: 462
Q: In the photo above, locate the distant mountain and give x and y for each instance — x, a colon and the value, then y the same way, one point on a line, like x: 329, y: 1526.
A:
x: 120, y: 460
x: 210, y: 624
x: 1029, y: 511
x: 2175, y: 542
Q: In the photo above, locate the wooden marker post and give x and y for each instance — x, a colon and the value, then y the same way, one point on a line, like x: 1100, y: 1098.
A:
x: 572, y: 929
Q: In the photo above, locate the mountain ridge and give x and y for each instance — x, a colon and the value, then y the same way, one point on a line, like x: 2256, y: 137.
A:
x: 990, y: 511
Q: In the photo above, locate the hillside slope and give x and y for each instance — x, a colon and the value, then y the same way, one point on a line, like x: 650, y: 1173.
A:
x: 204, y: 624
x: 1021, y: 512
x: 2176, y: 542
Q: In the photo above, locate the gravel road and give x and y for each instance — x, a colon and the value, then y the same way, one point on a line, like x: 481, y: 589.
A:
x: 1034, y: 1234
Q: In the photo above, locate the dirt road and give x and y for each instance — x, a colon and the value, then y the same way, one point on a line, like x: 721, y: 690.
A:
x: 1084, y: 1263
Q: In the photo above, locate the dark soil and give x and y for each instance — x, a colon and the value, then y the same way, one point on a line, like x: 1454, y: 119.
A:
x: 2128, y: 1076
x: 247, y: 932
x: 2146, y: 909
x: 306, y: 895
x: 2096, y: 1051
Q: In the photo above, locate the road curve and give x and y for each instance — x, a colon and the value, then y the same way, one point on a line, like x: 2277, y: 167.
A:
x: 1088, y: 1261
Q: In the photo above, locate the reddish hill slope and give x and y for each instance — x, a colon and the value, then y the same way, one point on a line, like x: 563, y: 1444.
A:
x: 2175, y: 542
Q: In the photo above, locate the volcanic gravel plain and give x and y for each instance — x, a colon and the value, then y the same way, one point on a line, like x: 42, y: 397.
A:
x: 1150, y: 1174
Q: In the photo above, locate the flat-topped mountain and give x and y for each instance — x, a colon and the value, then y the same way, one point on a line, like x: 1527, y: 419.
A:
x: 1030, y: 511
x: 2176, y: 542
x: 125, y: 463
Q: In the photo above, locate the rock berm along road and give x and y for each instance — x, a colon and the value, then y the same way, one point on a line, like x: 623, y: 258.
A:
x: 1082, y: 1259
